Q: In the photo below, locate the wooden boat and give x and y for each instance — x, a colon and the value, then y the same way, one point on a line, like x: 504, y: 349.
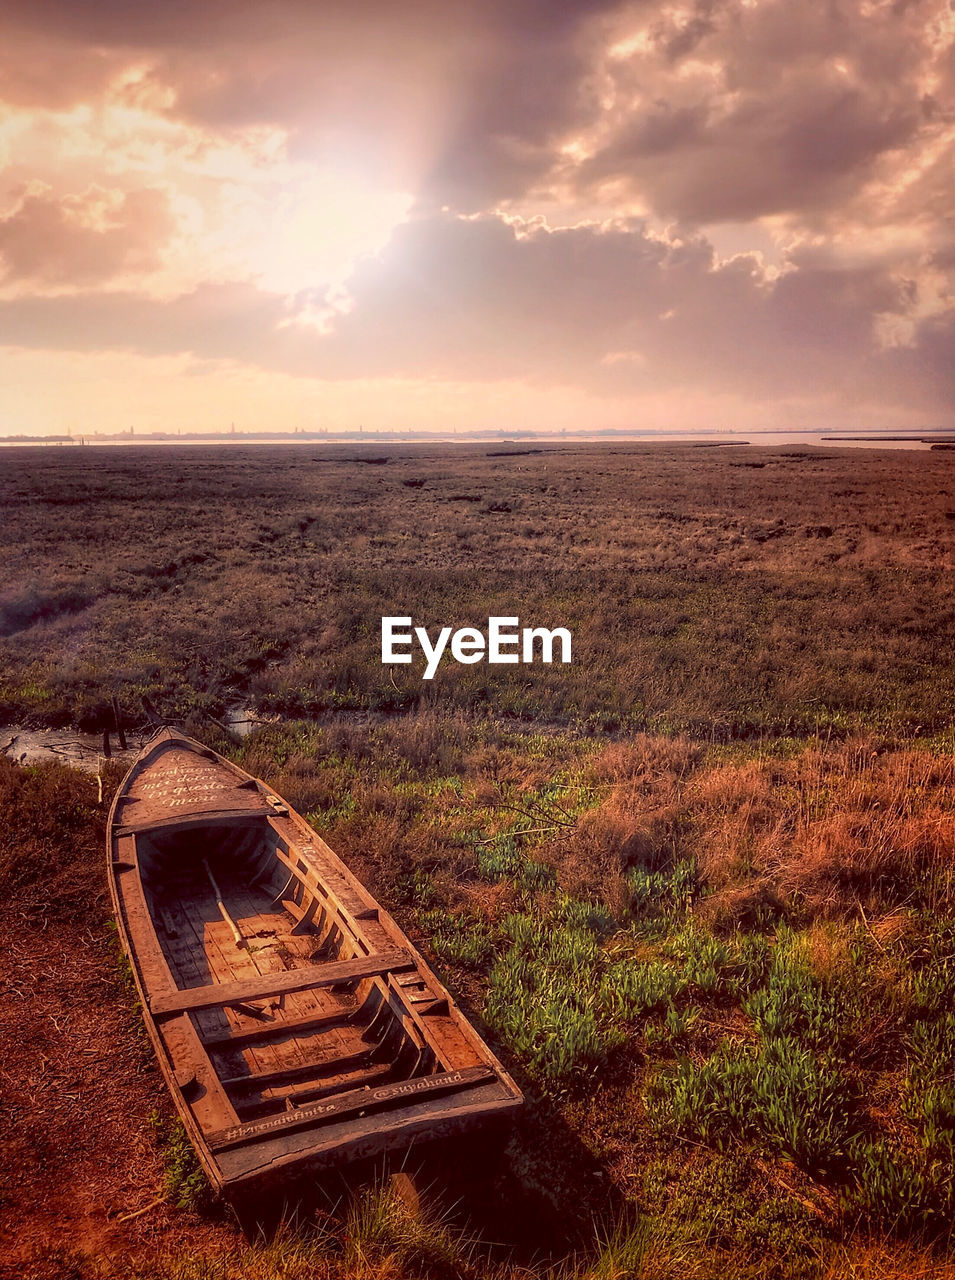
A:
x: 296, y: 1026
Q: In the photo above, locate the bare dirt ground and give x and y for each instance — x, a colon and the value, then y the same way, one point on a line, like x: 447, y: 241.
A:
x: 79, y: 1151
x: 83, y: 1105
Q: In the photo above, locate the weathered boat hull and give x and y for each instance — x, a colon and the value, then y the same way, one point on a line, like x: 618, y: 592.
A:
x: 296, y: 1026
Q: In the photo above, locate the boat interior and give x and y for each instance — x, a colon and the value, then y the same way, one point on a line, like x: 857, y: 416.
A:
x: 233, y: 902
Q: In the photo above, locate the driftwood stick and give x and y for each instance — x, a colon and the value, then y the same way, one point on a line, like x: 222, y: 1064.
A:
x: 236, y: 932
x: 137, y: 1213
x: 868, y: 927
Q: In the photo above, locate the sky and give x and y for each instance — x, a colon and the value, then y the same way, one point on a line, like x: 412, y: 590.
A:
x: 476, y: 214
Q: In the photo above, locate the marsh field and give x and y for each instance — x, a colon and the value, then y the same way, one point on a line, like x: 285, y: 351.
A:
x: 697, y: 887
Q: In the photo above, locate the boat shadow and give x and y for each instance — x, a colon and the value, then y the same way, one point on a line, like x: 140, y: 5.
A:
x: 532, y: 1195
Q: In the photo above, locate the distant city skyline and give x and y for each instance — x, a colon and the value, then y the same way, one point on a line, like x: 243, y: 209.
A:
x: 517, y: 217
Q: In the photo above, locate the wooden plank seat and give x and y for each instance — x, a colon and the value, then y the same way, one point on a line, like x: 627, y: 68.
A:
x: 354, y: 1102
x: 280, y: 1028
x: 297, y: 1093
x: 217, y: 994
x: 301, y: 1071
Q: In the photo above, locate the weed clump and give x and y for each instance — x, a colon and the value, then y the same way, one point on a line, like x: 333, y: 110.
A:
x: 458, y: 939
x: 184, y: 1183
x: 544, y: 996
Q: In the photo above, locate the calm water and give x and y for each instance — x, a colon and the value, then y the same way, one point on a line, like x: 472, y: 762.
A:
x: 69, y: 746
x: 768, y: 439
x: 85, y: 750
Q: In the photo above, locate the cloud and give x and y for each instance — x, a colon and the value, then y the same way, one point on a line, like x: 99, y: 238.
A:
x: 701, y: 112
x: 84, y: 239
x: 483, y: 298
x: 806, y: 147
x: 741, y: 111
x: 921, y: 372
x: 611, y: 311
x: 463, y: 98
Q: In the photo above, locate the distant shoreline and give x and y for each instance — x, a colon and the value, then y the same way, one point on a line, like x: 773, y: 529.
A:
x: 754, y: 439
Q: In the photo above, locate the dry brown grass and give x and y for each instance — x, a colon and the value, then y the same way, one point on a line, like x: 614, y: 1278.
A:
x: 885, y: 1260
x: 646, y: 762
x: 831, y: 829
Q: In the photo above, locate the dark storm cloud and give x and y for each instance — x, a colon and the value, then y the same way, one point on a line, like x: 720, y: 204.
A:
x: 616, y: 311
x: 611, y: 310
x: 183, y: 22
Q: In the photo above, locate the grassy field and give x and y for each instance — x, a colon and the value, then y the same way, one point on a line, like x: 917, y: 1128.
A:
x: 726, y: 591
x: 697, y: 888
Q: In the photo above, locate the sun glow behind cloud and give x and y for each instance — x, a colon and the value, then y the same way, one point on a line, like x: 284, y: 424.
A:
x: 661, y: 206
x: 239, y: 207
x: 310, y: 229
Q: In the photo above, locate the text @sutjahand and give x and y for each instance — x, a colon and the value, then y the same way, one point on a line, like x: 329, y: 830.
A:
x: 503, y: 641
